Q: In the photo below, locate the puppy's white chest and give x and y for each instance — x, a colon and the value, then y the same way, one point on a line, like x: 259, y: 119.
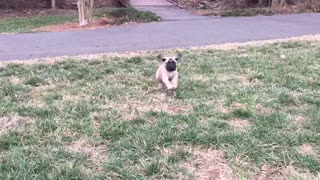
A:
x: 171, y: 75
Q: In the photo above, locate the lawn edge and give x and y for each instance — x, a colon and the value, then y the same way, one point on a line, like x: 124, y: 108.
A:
x: 128, y: 54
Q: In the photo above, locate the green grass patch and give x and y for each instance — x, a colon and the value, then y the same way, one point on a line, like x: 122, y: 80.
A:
x: 105, y: 119
x: 122, y: 15
x: 26, y: 24
x: 118, y: 15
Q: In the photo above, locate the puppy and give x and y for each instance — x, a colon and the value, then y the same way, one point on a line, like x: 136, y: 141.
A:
x: 167, y: 73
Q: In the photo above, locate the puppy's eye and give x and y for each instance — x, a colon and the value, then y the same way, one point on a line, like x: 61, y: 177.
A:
x: 176, y: 59
x: 163, y: 59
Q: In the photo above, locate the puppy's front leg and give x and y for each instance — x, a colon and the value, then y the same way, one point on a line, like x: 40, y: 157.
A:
x: 166, y: 81
x: 175, y: 81
x: 160, y: 85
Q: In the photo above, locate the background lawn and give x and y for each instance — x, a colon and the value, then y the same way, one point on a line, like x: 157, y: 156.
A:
x: 250, y: 112
x: 117, y: 16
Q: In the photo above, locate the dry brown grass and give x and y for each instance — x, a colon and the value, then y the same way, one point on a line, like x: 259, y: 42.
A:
x: 79, y: 97
x: 35, y: 91
x: 15, y: 80
x: 243, y: 80
x: 200, y: 77
x: 239, y: 124
x: 238, y: 105
x: 263, y: 110
x: 224, y: 77
x: 307, y: 149
x: 300, y: 121
x: 72, y: 26
x: 159, y: 102
x: 291, y: 172
x: 268, y: 172
x: 208, y: 164
x: 97, y: 154
x: 8, y: 123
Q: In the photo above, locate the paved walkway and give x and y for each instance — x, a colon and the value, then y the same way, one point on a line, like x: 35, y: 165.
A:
x: 150, y: 3
x: 172, y: 13
x: 167, y: 34
x: 165, y: 9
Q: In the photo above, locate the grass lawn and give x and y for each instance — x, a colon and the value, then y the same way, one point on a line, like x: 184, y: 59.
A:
x: 251, y: 112
x: 26, y: 24
x: 117, y: 15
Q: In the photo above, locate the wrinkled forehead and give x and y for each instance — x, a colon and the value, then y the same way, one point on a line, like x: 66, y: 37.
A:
x: 170, y: 58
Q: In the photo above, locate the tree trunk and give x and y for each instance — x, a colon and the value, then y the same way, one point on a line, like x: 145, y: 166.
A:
x: 53, y: 4
x: 6, y: 4
x: 277, y: 4
x: 48, y: 3
x: 85, y: 8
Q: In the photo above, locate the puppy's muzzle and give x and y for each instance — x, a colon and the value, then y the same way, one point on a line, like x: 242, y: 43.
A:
x: 171, y: 66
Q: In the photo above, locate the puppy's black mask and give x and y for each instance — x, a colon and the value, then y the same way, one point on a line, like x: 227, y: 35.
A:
x: 170, y: 62
x: 171, y: 66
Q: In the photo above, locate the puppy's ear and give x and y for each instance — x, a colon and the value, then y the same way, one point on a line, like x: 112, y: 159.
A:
x: 161, y: 58
x: 178, y: 56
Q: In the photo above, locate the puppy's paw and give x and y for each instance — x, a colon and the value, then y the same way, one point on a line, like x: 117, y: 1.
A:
x: 171, y: 92
x: 160, y: 86
x: 169, y: 88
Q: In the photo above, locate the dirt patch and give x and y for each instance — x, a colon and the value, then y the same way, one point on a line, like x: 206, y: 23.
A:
x: 9, y: 123
x: 182, y: 126
x: 14, y: 80
x: 42, y: 88
x: 36, y: 93
x: 300, y: 121
x: 209, y: 164
x: 223, y: 109
x: 224, y: 77
x: 78, y: 97
x: 233, y: 106
x: 243, y: 80
x: 159, y: 102
x: 95, y: 121
x: 268, y: 172
x: 69, y: 26
x: 238, y: 106
x: 291, y: 172
x: 307, y: 149
x: 263, y: 110
x: 239, y: 124
x: 96, y: 154
x: 218, y: 105
x: 200, y: 77
x: 248, y: 82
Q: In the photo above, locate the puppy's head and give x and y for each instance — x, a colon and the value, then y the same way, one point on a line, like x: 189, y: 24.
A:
x: 170, y: 61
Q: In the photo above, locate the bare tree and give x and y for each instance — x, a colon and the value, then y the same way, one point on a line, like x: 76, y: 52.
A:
x: 53, y: 4
x: 278, y: 4
x: 85, y: 8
